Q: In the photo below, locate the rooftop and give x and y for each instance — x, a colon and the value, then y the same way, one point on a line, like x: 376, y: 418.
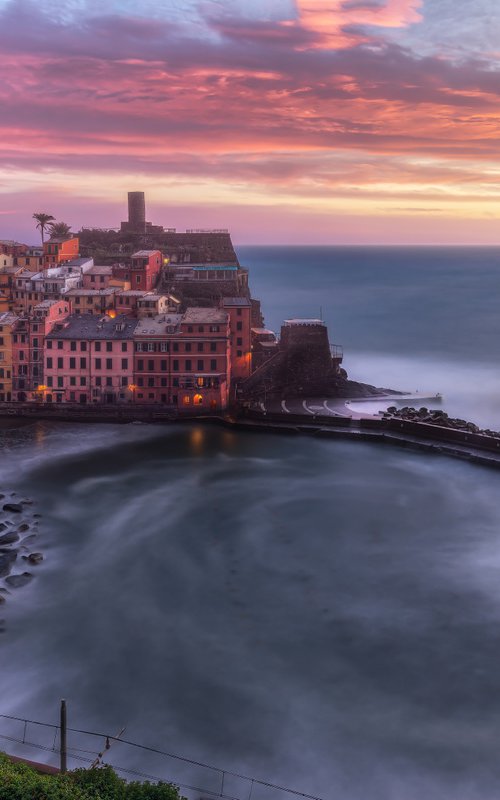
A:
x: 144, y: 253
x: 242, y: 302
x: 90, y: 292
x: 88, y: 326
x: 297, y: 321
x: 196, y: 316
x: 8, y: 318
x: 97, y: 270
x: 156, y: 326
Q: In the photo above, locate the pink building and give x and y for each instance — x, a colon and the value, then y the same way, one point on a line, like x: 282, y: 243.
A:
x: 90, y: 359
x: 28, y: 341
x: 145, y: 269
x: 240, y: 314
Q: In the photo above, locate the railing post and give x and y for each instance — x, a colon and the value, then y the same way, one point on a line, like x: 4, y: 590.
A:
x: 63, y: 751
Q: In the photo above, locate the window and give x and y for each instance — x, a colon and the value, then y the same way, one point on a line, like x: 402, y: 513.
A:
x: 188, y: 347
x: 201, y: 365
x: 49, y: 363
x: 151, y: 347
x: 109, y: 347
x: 151, y: 365
x: 239, y: 326
x: 59, y: 345
x: 83, y: 363
x: 98, y: 381
x: 190, y: 328
x: 151, y: 382
x: 239, y: 341
x: 138, y: 279
x: 72, y: 381
x: 163, y: 365
x: 98, y: 347
x: 109, y: 381
x: 175, y: 365
x: 124, y: 363
x: 124, y: 381
x: 98, y: 363
x: 175, y: 382
x: 213, y: 347
x: 83, y: 381
x: 49, y: 344
x: 175, y: 347
x: 72, y: 363
x: 200, y: 347
x: 200, y: 329
x: 186, y: 400
x: 239, y: 312
x: 72, y: 346
x: 239, y: 353
x: 140, y: 365
x: 124, y: 347
x: 60, y: 362
x: 49, y: 381
x: 83, y: 346
x: 140, y: 381
x: 214, y: 328
x: 109, y: 363
x: 163, y: 381
x: 60, y: 382
x: 213, y: 364
x: 164, y: 347
x: 188, y: 365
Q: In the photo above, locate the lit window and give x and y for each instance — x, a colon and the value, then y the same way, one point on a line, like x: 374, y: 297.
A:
x: 186, y: 399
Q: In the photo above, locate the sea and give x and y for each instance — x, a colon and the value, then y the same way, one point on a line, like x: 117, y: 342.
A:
x: 321, y: 616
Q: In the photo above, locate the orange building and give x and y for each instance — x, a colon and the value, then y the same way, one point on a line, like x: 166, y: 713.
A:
x: 7, y: 323
x: 59, y: 249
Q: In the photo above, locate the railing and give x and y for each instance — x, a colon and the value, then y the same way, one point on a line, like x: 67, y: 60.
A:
x: 337, y: 352
x: 81, y: 747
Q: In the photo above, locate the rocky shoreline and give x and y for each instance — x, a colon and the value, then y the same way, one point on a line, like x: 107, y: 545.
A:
x: 18, y: 534
x: 435, y: 416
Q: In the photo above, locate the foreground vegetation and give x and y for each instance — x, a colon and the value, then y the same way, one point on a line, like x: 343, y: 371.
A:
x: 20, y: 782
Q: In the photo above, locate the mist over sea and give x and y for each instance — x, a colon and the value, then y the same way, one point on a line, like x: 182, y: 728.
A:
x: 320, y: 614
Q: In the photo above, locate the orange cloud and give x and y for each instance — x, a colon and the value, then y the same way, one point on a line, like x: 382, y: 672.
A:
x: 335, y: 21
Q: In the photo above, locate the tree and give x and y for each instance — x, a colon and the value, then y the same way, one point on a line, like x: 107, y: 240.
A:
x: 60, y: 229
x: 43, y: 221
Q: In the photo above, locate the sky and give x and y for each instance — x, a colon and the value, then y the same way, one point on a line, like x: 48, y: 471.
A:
x: 314, y: 121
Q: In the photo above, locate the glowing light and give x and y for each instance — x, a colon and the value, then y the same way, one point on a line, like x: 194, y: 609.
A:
x: 132, y: 387
x: 112, y: 313
x: 41, y: 388
x: 198, y: 399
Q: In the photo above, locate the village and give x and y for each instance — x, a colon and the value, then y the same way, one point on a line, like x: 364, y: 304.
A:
x: 145, y: 316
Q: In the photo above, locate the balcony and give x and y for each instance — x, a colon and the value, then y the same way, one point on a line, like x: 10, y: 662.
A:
x: 337, y: 352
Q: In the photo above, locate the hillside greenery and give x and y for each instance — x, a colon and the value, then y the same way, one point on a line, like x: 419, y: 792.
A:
x: 21, y: 782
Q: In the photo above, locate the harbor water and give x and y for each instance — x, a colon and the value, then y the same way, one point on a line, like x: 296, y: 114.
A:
x: 322, y: 615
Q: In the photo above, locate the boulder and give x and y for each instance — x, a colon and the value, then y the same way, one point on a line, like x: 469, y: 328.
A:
x: 16, y: 581
x: 9, y: 538
x: 35, y: 558
x: 29, y: 539
x: 24, y: 527
x: 15, y: 508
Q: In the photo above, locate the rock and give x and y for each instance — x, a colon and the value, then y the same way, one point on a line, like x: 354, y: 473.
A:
x: 24, y: 527
x: 27, y: 502
x: 3, y: 526
x: 15, y: 508
x: 9, y: 538
x: 29, y: 539
x: 6, y: 562
x: 35, y: 558
x: 16, y: 581
x: 36, y: 516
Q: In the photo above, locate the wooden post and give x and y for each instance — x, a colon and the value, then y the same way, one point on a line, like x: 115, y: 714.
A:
x: 63, y: 736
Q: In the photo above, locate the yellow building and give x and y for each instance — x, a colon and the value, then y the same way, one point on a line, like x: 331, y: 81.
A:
x: 7, y: 322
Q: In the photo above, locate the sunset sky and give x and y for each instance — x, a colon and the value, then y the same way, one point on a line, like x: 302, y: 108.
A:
x: 315, y: 121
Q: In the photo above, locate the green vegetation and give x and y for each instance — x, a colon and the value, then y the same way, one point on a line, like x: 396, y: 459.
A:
x: 20, y: 782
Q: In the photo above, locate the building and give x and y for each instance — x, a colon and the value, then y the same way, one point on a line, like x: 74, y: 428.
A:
x: 184, y: 360
x: 145, y: 269
x: 137, y: 223
x: 126, y: 301
x: 32, y: 259
x: 240, y: 317
x: 7, y: 324
x: 90, y: 359
x: 28, y: 342
x: 97, y: 277
x: 59, y: 249
x: 91, y: 301
x: 150, y: 305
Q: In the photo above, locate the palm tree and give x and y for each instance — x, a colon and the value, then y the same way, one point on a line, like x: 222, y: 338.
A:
x: 60, y: 229
x: 43, y: 221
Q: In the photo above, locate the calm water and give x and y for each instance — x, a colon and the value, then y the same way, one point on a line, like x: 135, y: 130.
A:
x: 318, y: 614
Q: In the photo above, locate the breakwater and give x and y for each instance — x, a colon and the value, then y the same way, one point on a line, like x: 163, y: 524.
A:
x: 436, y: 435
